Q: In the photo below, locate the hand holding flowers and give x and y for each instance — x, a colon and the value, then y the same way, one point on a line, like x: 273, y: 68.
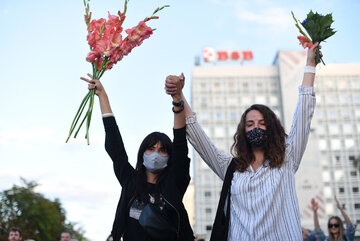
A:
x: 319, y: 29
x: 107, y: 47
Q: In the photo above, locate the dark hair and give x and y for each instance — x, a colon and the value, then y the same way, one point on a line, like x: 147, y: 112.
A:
x: 150, y: 140
x: 341, y: 229
x: 14, y: 229
x: 274, y: 147
x: 107, y: 239
x: 66, y: 232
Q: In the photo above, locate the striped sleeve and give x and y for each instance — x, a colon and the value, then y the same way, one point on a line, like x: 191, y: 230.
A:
x: 213, y: 157
x: 300, y: 128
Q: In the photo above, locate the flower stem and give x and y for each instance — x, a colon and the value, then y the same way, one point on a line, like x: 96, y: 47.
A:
x: 89, y: 113
x: 78, y: 114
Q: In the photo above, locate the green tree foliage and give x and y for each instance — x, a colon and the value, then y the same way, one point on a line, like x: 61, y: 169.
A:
x: 38, y: 217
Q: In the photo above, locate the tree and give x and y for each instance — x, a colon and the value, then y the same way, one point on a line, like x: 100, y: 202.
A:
x: 38, y: 217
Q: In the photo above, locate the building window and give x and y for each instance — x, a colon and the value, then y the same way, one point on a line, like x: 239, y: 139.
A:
x: 335, y: 144
x: 357, y: 205
x: 208, y: 227
x: 207, y: 210
x: 351, y: 158
x: 349, y: 143
x: 355, y: 189
x: 341, y: 190
x: 333, y: 129
x: 233, y: 116
x: 231, y: 86
x: 207, y: 194
x: 353, y: 173
x: 357, y: 99
x: 347, y: 128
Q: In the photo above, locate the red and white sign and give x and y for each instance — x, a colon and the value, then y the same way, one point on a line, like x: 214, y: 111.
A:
x: 212, y: 55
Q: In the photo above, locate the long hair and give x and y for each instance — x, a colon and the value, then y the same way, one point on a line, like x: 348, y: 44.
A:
x: 274, y: 147
x: 341, y: 229
x: 141, y: 192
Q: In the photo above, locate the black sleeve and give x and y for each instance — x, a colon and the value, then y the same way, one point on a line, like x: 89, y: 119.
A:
x: 181, y: 161
x: 116, y: 150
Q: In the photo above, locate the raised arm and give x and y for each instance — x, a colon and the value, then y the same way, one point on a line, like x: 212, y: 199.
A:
x: 101, y: 93
x: 214, y: 158
x: 178, y: 103
x: 300, y: 128
x: 181, y: 166
x: 309, y: 74
x: 113, y: 142
x: 315, y: 207
x: 346, y: 217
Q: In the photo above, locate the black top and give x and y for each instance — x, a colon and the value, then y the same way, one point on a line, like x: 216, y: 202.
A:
x: 172, y: 189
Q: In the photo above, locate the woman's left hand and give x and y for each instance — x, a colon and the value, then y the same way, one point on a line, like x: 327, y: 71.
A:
x: 338, y: 205
x: 312, y: 54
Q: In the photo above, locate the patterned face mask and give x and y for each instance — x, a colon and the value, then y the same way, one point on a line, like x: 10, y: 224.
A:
x: 257, y: 137
x: 155, y: 162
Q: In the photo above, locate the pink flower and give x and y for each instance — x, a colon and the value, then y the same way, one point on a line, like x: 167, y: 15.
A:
x: 109, y: 66
x: 103, y: 47
x: 126, y: 46
x: 93, y: 37
x: 305, y: 42
x: 122, y: 16
x: 96, y: 24
x: 116, y: 55
x: 87, y: 18
x: 113, y: 20
x: 92, y: 56
x: 139, y: 33
x: 116, y: 39
x: 113, y: 25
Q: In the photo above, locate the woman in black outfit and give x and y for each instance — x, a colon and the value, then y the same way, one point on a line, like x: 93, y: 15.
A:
x: 160, y: 178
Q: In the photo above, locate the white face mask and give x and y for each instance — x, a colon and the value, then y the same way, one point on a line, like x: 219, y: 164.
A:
x: 155, y: 162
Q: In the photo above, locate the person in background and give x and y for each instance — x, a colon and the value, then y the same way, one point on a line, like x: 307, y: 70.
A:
x: 15, y: 234
x: 109, y: 238
x: 317, y: 234
x: 65, y: 236
x: 336, y: 229
x: 258, y: 199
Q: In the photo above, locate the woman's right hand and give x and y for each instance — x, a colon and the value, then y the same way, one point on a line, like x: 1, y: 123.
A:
x: 314, y: 205
x: 174, y: 84
x: 94, y: 84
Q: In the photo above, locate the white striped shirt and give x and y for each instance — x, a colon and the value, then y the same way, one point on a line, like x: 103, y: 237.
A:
x: 264, y: 204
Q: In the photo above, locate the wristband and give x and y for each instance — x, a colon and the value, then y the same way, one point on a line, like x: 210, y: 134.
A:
x: 178, y: 104
x: 178, y: 111
x: 310, y: 69
x: 107, y: 114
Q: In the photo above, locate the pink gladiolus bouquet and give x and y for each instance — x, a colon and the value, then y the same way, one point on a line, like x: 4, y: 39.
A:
x: 107, y: 47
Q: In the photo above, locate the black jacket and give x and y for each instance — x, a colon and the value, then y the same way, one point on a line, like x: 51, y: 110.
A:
x: 172, y: 190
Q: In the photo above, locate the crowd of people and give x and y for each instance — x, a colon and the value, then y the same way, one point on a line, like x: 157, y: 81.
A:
x: 258, y: 200
x: 15, y: 234
x: 336, y: 230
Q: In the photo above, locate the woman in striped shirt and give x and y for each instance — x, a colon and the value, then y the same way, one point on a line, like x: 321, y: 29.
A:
x: 258, y: 199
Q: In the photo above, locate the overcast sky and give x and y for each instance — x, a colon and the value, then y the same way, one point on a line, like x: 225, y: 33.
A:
x: 43, y: 48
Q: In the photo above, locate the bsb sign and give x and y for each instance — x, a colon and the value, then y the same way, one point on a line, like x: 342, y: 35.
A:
x: 211, y: 55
